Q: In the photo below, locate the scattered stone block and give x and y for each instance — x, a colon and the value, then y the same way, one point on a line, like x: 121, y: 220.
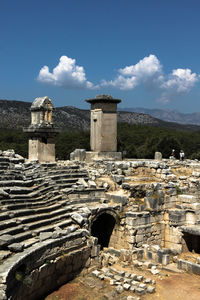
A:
x: 139, y: 278
x: 132, y: 298
x: 148, y: 280
x: 112, y: 282
x: 77, y: 218
x: 151, y: 289
x: 126, y: 286
x: 119, y: 289
x: 132, y: 288
x: 140, y: 291
x: 154, y: 271
x: 96, y: 273
x: 16, y: 247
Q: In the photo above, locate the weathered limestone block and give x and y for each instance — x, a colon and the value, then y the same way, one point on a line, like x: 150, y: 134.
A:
x: 6, y: 239
x: 118, y: 178
x: 78, y: 154
x: 9, y: 153
x: 158, y: 156
x: 153, y: 203
x: 77, y: 218
x: 187, y: 198
x: 189, y: 266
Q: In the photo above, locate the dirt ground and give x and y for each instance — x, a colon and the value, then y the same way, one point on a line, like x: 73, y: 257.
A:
x: 177, y: 287
x: 170, y: 286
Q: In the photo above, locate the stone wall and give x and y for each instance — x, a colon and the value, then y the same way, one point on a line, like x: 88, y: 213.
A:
x: 40, y: 270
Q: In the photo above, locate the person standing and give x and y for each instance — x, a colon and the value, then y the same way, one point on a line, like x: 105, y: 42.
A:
x: 182, y: 155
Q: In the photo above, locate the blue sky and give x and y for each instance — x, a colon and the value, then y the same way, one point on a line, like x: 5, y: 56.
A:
x: 145, y: 52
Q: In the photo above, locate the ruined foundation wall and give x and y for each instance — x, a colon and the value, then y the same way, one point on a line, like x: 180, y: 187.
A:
x: 137, y: 229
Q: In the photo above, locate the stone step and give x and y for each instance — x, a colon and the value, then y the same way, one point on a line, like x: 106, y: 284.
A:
x: 4, y: 159
x: 31, y: 204
x: 7, y: 224
x: 4, y: 167
x: 64, y: 169
x: 51, y: 227
x: 66, y: 180
x: 62, y: 186
x: 43, y: 187
x: 4, y: 164
x: 67, y: 172
x: 37, y: 226
x: 16, y: 183
x: 29, y: 236
x: 84, y: 201
x: 47, y: 209
x: 32, y: 194
x: 30, y: 241
x: 13, y: 230
x: 4, y: 216
x: 42, y: 216
x: 92, y: 192
x: 19, y: 190
x: 5, y: 176
x: 22, y: 236
x: 29, y: 200
x: 15, y: 173
x: 50, y: 221
x: 48, y: 165
x: 31, y: 211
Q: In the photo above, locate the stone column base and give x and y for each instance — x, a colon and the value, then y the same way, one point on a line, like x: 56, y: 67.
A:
x: 90, y: 156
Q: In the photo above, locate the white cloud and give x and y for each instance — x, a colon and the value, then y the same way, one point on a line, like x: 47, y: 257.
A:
x: 147, y: 69
x: 178, y: 82
x: 182, y: 80
x: 66, y: 74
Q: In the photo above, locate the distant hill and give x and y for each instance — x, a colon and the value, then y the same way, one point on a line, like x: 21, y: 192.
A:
x: 16, y: 114
x: 169, y: 115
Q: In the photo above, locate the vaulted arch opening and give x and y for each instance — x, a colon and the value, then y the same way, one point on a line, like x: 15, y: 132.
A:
x: 191, y: 242
x: 102, y: 228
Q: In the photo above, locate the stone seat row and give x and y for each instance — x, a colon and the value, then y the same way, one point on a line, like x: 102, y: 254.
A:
x: 72, y: 240
x: 36, y: 204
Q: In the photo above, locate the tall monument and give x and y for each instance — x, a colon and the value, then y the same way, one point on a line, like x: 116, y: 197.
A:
x: 42, y: 131
x: 103, y: 126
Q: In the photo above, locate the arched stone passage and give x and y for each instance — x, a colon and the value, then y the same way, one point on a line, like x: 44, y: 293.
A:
x: 191, y: 242
x: 102, y: 228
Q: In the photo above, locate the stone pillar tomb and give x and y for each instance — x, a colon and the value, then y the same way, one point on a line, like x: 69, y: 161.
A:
x: 103, y: 127
x: 42, y: 131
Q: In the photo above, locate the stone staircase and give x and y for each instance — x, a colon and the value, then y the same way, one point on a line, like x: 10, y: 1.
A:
x: 34, y: 202
x: 38, y: 202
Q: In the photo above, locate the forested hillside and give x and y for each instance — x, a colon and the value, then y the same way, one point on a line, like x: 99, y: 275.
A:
x: 138, y: 141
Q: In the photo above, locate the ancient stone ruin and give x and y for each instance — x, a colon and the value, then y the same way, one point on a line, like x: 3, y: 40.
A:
x: 41, y: 131
x: 58, y: 219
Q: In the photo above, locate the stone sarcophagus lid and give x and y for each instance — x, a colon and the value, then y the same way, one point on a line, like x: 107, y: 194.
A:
x: 42, y: 131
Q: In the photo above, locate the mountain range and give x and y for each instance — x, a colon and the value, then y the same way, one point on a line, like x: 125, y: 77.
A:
x: 169, y: 115
x: 16, y: 114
